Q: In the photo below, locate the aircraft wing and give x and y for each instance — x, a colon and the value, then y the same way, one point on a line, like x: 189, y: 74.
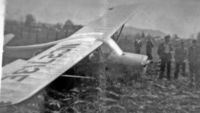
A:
x: 17, y: 64
x: 42, y: 69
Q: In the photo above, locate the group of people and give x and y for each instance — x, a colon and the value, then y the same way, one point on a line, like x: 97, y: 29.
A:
x: 180, y: 53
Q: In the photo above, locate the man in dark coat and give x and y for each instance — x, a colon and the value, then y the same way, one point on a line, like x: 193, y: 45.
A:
x: 194, y: 61
x: 149, y: 46
x: 192, y: 56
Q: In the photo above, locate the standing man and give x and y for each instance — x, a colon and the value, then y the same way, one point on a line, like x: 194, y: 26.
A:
x: 164, y: 52
x: 138, y: 45
x: 149, y: 46
x: 194, y: 61
x: 180, y: 56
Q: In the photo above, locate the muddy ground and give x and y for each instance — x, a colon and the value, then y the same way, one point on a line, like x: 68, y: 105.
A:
x: 114, y: 89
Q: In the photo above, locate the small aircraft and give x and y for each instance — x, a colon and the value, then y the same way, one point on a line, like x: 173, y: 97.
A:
x: 24, y: 78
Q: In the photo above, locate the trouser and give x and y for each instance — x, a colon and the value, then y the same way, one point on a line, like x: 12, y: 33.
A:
x: 149, y: 55
x: 165, y: 63
x: 137, y: 50
x: 195, y: 73
x: 177, y: 69
x: 197, y: 77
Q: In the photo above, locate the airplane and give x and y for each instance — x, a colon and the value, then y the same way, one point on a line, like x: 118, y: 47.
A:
x: 21, y: 79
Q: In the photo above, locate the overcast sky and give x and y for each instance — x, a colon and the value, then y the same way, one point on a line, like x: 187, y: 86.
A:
x: 170, y: 16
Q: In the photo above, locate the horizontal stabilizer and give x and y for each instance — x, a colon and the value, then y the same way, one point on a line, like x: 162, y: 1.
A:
x: 8, y: 38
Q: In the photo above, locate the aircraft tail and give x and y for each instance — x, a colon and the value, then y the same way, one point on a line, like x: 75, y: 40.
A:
x: 8, y: 38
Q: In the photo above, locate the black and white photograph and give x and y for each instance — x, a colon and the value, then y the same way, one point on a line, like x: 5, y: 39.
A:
x: 100, y: 56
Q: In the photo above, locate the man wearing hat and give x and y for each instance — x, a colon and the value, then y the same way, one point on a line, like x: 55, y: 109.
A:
x: 164, y: 52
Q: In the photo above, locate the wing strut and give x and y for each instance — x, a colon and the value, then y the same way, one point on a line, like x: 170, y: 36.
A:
x: 117, y: 39
x: 76, y: 76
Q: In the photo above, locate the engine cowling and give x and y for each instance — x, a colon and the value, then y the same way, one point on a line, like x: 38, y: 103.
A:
x: 129, y: 59
x: 118, y: 56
